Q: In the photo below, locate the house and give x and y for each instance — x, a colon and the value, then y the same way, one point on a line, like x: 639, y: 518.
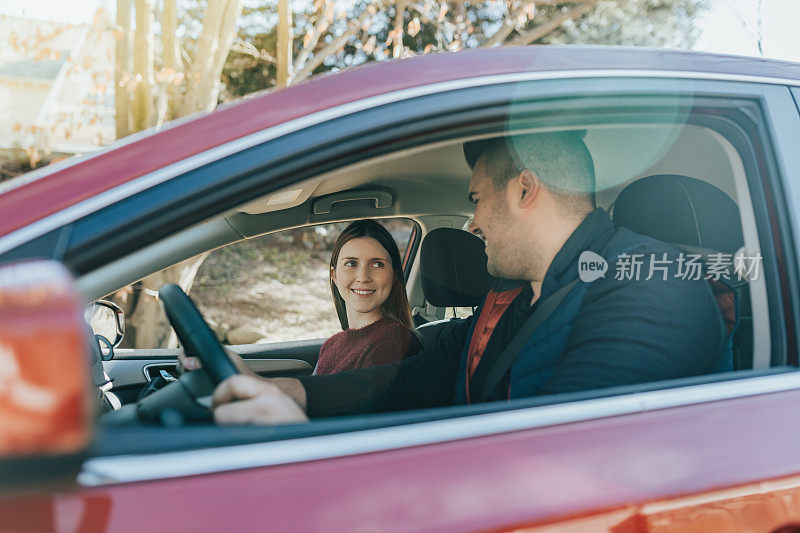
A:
x: 56, y: 84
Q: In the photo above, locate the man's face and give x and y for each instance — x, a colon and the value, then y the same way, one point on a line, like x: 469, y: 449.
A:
x: 493, y: 220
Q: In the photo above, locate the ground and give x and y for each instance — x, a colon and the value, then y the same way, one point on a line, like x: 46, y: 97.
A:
x: 276, y: 291
x: 266, y: 289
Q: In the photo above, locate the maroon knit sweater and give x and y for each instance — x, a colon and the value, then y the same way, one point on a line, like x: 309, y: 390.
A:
x: 383, y: 341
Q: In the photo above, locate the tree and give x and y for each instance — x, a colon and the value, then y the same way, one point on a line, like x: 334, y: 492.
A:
x: 183, y: 77
x: 334, y: 35
x: 152, y: 88
x: 63, y: 76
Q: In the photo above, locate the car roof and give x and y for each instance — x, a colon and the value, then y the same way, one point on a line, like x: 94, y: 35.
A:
x: 44, y: 192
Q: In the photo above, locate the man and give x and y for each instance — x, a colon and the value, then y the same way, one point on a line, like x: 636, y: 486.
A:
x: 534, y: 206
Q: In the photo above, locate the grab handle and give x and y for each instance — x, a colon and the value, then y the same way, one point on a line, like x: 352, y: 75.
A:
x: 383, y: 199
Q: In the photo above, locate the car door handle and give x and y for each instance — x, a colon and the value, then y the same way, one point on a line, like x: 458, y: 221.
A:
x: 166, y: 371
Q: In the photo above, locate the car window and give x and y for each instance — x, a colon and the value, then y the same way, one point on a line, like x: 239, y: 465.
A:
x: 277, y: 284
x: 269, y: 288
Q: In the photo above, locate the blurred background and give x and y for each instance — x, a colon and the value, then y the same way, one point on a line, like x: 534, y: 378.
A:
x: 77, y: 75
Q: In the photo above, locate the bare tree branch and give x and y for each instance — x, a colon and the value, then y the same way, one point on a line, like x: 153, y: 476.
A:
x: 243, y: 47
x: 742, y: 21
x: 543, y: 29
x: 319, y: 28
x: 510, y: 23
x: 460, y: 36
x: 760, y: 29
x: 335, y: 45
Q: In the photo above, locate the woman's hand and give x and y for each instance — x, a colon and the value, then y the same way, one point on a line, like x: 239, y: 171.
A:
x: 186, y: 363
x: 252, y: 400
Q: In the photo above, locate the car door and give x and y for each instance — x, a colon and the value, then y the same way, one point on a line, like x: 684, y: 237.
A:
x: 589, y: 461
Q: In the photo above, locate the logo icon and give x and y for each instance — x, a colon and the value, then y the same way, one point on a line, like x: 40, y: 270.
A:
x: 591, y: 266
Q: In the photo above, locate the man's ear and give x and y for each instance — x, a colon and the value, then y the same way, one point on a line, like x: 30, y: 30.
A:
x: 529, y: 185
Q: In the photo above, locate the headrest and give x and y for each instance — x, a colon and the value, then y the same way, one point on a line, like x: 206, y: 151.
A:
x: 680, y: 210
x: 453, y: 265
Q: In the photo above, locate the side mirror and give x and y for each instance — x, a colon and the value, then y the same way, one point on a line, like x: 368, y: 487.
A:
x: 45, y: 398
x: 107, y: 320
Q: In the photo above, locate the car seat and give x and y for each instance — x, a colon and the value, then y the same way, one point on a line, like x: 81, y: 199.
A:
x: 698, y: 218
x: 453, y: 274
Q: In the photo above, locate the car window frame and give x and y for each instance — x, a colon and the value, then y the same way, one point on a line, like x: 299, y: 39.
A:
x: 549, y: 87
x: 718, y: 88
x: 745, y: 91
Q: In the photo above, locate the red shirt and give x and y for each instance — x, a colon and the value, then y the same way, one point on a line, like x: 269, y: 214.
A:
x: 384, y: 341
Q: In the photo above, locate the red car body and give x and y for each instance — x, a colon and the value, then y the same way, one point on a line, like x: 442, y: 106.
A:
x: 727, y: 463
x: 672, y: 470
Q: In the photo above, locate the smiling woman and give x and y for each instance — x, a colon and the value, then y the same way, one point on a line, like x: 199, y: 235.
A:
x: 369, y: 293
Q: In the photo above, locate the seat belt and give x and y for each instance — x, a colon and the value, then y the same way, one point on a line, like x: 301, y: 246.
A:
x: 509, y: 355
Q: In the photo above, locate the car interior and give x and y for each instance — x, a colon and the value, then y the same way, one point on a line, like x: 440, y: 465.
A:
x: 682, y: 183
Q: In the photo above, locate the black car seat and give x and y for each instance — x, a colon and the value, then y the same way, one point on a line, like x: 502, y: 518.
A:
x: 698, y: 218
x: 453, y: 274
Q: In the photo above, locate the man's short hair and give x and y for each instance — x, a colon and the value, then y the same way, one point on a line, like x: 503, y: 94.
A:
x: 561, y: 160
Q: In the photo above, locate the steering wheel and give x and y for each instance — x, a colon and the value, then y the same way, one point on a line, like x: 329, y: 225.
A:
x: 186, y: 398
x: 194, y: 333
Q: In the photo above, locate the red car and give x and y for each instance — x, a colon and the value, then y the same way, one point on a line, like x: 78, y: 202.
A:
x: 715, y: 452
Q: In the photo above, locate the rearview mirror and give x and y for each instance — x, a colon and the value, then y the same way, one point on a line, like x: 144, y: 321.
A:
x: 106, y: 319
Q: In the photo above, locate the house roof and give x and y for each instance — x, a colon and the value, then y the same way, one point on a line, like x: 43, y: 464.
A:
x: 45, y: 70
x: 35, y: 49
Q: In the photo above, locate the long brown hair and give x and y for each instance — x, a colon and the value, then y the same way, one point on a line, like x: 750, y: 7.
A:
x: 396, y: 305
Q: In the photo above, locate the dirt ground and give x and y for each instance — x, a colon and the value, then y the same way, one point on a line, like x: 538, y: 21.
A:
x: 279, y: 311
x: 275, y: 288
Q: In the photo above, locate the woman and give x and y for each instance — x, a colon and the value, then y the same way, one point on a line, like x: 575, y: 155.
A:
x: 369, y: 294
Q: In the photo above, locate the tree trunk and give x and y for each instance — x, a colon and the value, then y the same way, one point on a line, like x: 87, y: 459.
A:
x: 204, y: 55
x: 227, y: 33
x: 284, y: 46
x: 172, y: 57
x: 399, y: 25
x: 122, y: 70
x: 146, y: 323
x: 143, y: 65
x: 150, y: 327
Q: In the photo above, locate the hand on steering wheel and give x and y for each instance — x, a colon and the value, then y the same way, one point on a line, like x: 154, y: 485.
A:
x: 188, y: 399
x: 187, y: 363
x: 195, y: 335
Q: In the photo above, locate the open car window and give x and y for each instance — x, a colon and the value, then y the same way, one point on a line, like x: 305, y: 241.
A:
x: 265, y: 289
x: 636, y: 133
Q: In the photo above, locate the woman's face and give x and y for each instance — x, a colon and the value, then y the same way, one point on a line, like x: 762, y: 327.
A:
x: 364, y: 276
